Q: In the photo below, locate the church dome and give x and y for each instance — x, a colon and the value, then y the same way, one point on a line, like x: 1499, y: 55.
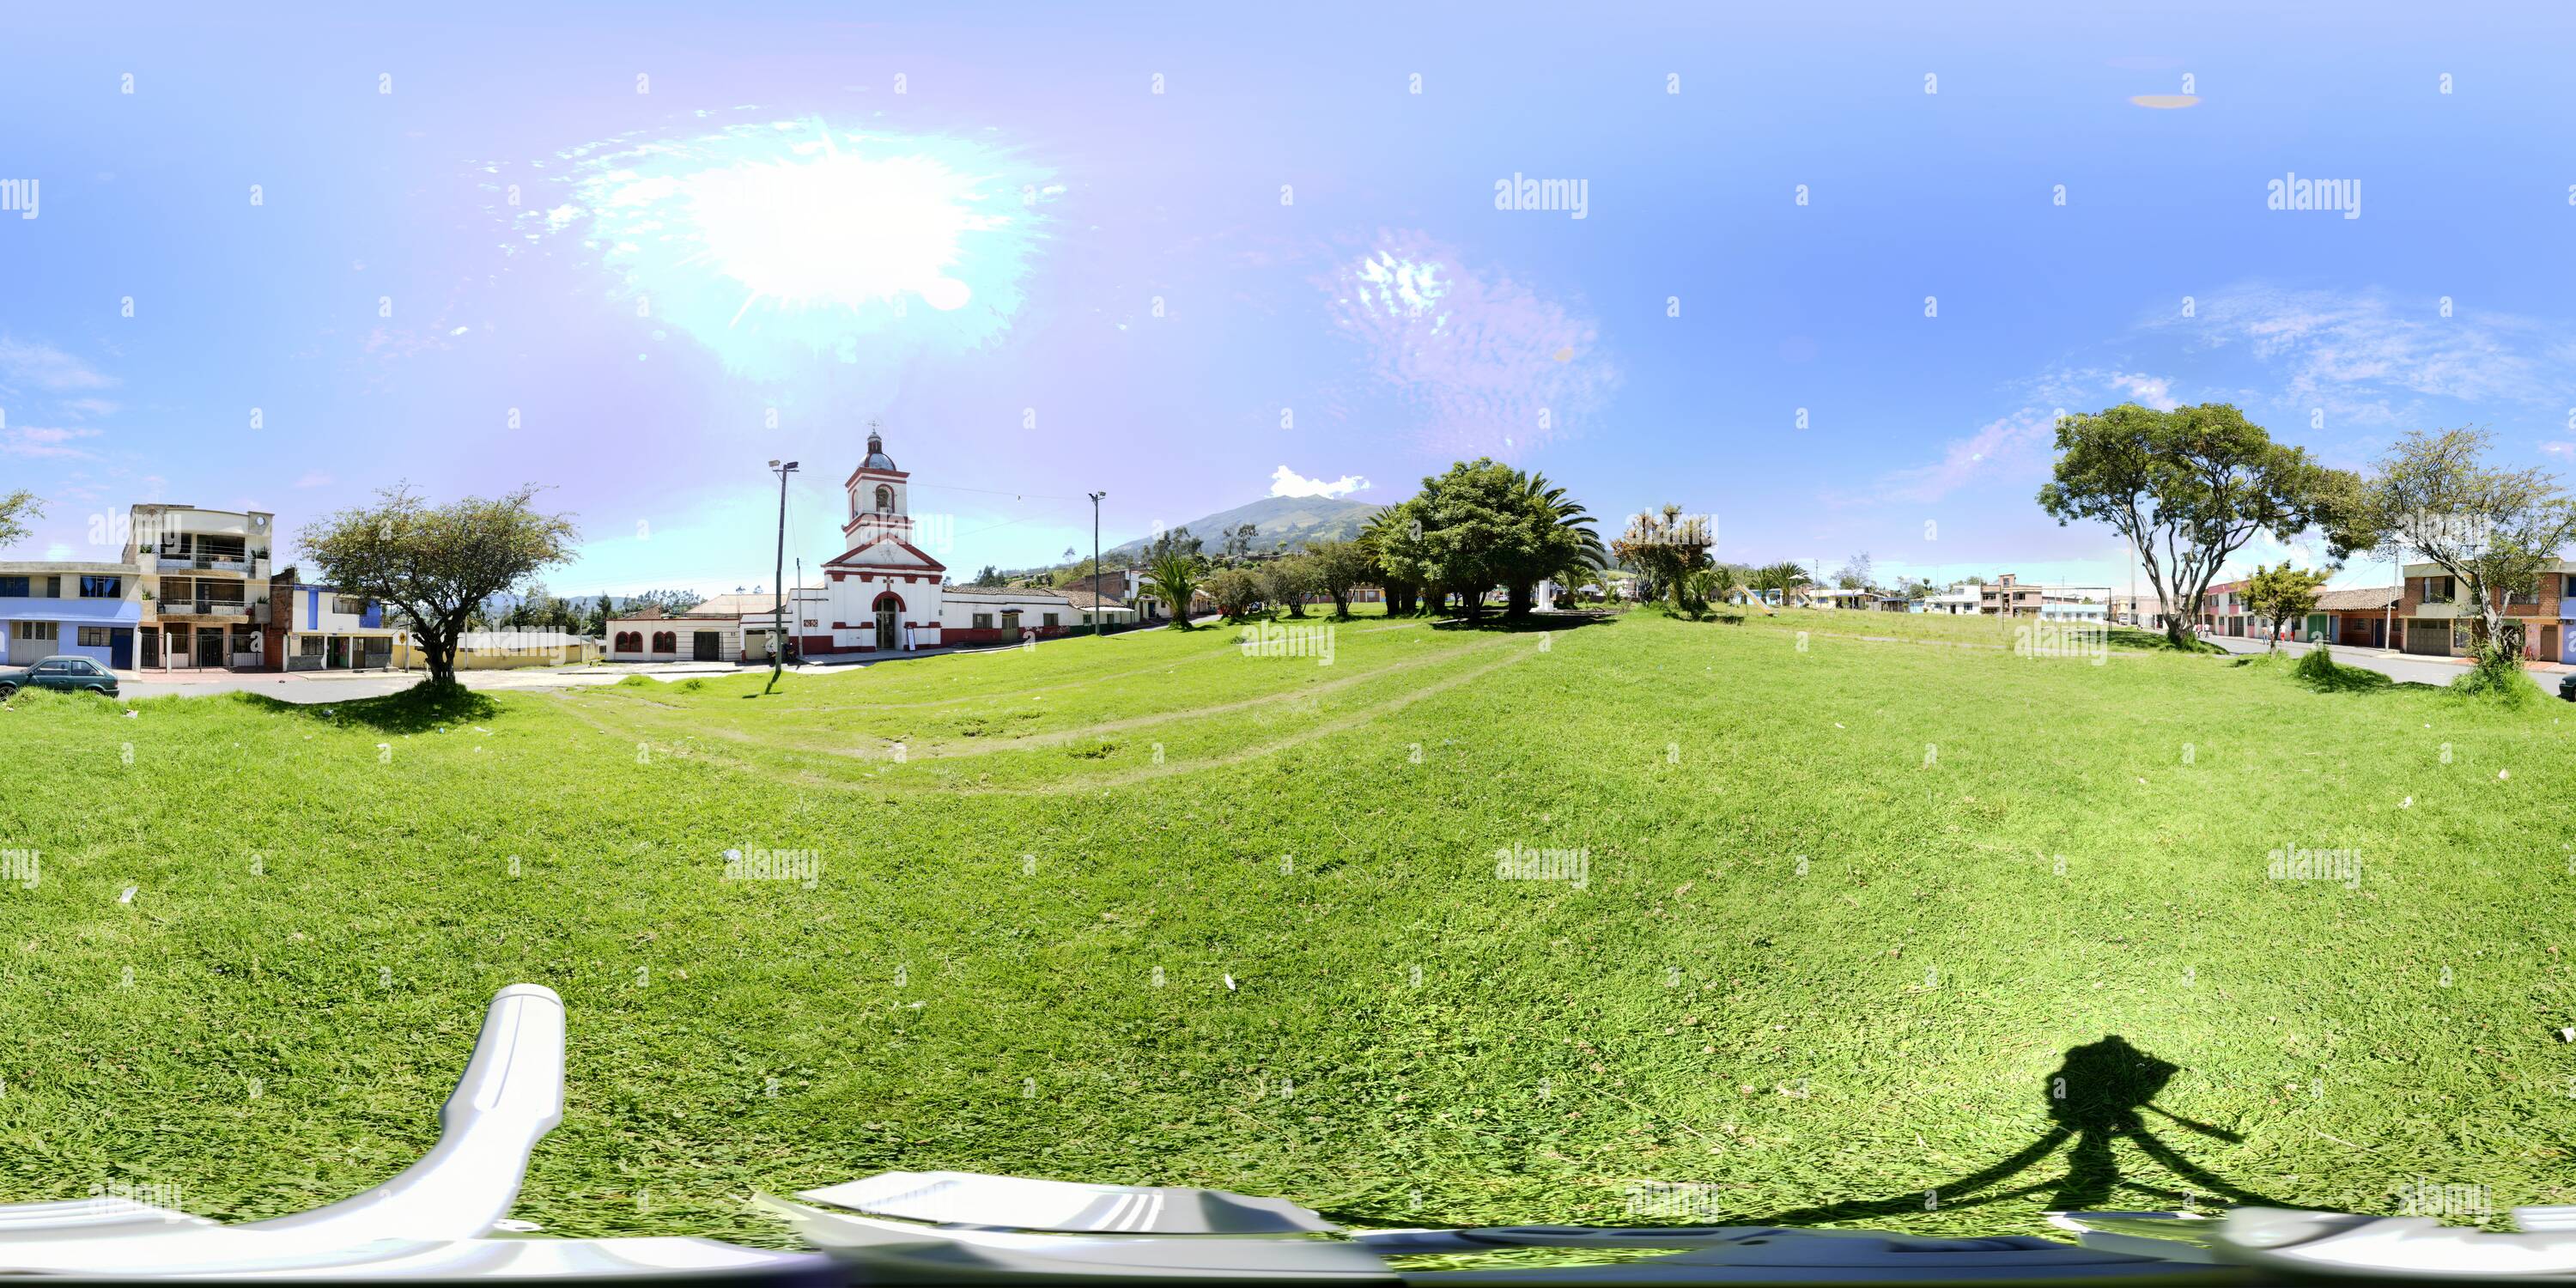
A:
x: 877, y: 459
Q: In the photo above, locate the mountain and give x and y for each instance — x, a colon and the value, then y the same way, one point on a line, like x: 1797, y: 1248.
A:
x: 1277, y: 520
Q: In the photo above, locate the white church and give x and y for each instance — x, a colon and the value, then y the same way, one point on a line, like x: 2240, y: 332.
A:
x: 881, y: 594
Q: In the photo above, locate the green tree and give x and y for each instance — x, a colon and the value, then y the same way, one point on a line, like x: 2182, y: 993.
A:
x: 1784, y: 577
x: 1338, y: 566
x: 2188, y: 488
x: 1235, y: 592
x: 990, y: 576
x: 1666, y: 547
x: 1288, y: 580
x: 1173, y: 577
x: 671, y: 603
x: 599, y: 615
x: 15, y: 509
x: 1561, y: 545
x: 436, y: 565
x: 1392, y: 540
x: 2282, y: 595
x: 2495, y: 531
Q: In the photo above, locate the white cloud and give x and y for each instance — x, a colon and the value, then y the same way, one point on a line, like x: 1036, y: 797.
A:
x: 314, y: 478
x: 46, y: 367
x: 2005, y: 446
x: 45, y: 442
x: 1287, y: 482
x: 2354, y: 354
x: 1486, y: 365
x: 2151, y: 391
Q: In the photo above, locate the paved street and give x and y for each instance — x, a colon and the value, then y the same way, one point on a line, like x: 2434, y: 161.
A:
x: 2396, y: 666
x: 312, y: 687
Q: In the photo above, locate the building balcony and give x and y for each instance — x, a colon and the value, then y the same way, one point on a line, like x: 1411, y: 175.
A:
x: 225, y: 608
x: 149, y: 562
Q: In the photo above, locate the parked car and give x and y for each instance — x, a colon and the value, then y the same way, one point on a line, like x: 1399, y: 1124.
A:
x: 66, y: 672
x: 2567, y: 688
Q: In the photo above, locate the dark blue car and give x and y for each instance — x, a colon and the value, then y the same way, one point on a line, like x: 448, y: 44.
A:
x: 66, y: 672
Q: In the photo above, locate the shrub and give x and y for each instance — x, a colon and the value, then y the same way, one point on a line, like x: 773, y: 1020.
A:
x: 2318, y: 670
x: 2499, y: 680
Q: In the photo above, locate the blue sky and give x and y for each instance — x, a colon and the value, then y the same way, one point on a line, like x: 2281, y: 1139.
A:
x: 480, y: 257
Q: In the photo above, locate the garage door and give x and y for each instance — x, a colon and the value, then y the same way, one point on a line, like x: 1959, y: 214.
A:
x: 2433, y: 637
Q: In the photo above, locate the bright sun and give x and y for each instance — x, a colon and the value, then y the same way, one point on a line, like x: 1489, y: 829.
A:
x: 771, y: 241
x: 840, y: 229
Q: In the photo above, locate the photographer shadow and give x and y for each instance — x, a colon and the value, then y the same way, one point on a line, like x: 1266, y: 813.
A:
x: 2101, y: 1093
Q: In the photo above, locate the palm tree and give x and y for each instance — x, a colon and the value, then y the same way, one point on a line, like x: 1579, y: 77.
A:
x: 1173, y: 577
x: 1722, y: 584
x: 1568, y: 549
x: 1783, y: 577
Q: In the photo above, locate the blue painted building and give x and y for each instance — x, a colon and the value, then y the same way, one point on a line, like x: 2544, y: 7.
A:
x: 69, y: 609
x: 316, y: 628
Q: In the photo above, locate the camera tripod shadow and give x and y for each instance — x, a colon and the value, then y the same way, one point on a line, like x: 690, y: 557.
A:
x: 2100, y: 1094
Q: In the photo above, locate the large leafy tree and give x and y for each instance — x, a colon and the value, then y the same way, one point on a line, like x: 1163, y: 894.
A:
x: 1669, y: 547
x: 2190, y: 487
x: 2282, y: 596
x: 1287, y: 581
x: 436, y: 565
x: 2495, y: 531
x: 1235, y: 591
x: 1338, y: 566
x: 15, y: 509
x: 1393, y: 541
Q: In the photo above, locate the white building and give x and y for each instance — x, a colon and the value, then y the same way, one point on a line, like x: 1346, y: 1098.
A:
x: 884, y: 594
x: 1956, y: 603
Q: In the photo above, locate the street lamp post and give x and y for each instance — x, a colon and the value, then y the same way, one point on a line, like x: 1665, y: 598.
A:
x: 1095, y: 563
x: 778, y: 623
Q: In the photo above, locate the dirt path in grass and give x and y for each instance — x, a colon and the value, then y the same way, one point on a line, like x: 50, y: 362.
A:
x: 1097, y: 783
x: 957, y: 750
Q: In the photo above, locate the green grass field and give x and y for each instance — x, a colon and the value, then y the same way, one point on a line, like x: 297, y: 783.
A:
x: 1147, y: 909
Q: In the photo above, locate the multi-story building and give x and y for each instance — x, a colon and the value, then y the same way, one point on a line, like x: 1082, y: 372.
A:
x: 308, y: 627
x: 82, y: 609
x: 2222, y: 608
x: 205, y: 584
x: 2006, y: 596
x: 2010, y: 596
x: 2436, y: 614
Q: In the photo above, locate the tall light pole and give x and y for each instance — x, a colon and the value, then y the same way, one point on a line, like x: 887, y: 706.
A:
x: 778, y: 624
x: 1096, y: 614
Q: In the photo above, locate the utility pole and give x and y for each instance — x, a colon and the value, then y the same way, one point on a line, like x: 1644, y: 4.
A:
x: 1096, y: 614
x: 778, y: 624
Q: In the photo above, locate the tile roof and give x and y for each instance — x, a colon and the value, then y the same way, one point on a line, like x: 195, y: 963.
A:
x: 2368, y: 597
